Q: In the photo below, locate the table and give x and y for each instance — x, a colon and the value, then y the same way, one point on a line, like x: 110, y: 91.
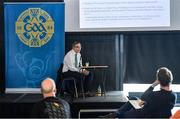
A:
x: 104, y: 67
x: 93, y: 67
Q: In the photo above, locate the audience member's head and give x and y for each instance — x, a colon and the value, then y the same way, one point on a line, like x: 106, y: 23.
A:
x: 76, y: 46
x: 164, y: 76
x: 48, y: 88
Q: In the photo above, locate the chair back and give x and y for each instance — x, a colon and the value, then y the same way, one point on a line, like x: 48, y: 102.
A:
x: 60, y: 71
x: 59, y: 78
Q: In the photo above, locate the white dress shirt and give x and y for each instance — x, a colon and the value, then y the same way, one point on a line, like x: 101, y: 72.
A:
x: 69, y: 61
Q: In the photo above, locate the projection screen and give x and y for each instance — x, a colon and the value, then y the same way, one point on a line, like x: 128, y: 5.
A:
x: 122, y: 15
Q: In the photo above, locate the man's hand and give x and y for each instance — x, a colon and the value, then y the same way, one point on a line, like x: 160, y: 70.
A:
x: 141, y: 103
x: 85, y: 72
x: 156, y: 82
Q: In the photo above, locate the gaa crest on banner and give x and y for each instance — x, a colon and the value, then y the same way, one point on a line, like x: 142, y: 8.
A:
x: 34, y: 27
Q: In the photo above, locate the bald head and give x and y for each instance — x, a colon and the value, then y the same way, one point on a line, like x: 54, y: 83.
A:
x: 48, y: 86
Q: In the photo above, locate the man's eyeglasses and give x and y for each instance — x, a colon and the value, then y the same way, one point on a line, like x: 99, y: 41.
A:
x: 77, y: 46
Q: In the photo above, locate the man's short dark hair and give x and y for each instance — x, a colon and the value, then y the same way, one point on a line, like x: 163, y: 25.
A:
x: 75, y: 43
x: 164, y: 76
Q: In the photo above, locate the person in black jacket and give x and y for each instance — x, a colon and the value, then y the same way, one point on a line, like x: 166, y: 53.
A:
x: 155, y: 104
x: 50, y: 106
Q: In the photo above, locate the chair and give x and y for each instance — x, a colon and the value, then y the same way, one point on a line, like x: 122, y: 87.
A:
x: 96, y: 111
x: 74, y: 82
x: 61, y: 81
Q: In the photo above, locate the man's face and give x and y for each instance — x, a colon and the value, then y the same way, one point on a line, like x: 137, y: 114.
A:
x: 77, y: 48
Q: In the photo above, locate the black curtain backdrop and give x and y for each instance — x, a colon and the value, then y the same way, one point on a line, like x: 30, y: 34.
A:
x: 146, y: 52
x: 97, y: 49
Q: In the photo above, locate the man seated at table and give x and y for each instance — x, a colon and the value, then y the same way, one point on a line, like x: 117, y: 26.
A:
x: 72, y: 68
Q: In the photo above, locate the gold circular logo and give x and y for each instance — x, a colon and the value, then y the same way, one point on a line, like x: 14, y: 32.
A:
x: 34, y: 27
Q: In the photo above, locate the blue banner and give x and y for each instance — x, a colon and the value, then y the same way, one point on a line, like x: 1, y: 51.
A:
x: 34, y: 42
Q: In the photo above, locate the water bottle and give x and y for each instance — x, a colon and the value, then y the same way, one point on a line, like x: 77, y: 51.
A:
x: 99, y: 91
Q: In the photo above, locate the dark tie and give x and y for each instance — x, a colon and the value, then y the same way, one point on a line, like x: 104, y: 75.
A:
x: 76, y: 62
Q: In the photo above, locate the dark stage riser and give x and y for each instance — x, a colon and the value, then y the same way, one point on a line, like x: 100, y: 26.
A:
x: 113, y: 100
x: 20, y: 105
x: 15, y: 110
